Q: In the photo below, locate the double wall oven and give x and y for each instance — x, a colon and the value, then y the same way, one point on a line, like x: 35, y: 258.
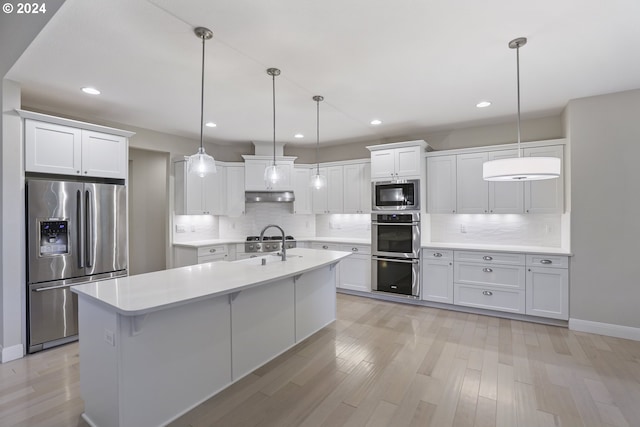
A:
x: 395, y: 249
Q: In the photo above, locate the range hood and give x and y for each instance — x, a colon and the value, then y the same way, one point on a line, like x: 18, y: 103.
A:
x: 268, y: 196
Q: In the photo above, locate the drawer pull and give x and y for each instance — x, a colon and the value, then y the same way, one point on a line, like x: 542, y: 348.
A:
x: 212, y: 250
x: 546, y: 261
x: 487, y: 293
x: 487, y: 258
x: 437, y: 255
x: 354, y: 249
x: 487, y: 270
x: 325, y: 247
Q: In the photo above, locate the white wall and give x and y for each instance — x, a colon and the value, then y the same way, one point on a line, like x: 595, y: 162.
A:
x: 148, y: 210
x: 605, y: 191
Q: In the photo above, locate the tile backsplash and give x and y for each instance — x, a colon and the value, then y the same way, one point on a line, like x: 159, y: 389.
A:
x: 344, y: 225
x: 259, y: 215
x: 510, y: 229
x: 194, y: 227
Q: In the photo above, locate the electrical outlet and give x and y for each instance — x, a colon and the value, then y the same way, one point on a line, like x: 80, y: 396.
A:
x: 180, y: 229
x: 110, y: 337
x: 463, y: 228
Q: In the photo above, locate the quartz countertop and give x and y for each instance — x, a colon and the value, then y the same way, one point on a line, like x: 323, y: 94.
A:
x: 498, y: 248
x: 145, y: 293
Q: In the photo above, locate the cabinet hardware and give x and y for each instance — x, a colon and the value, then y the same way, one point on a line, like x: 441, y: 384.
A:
x: 488, y: 293
x: 437, y: 254
x: 487, y: 270
x: 354, y: 249
x: 487, y: 258
x: 546, y: 261
x: 77, y: 171
x: 325, y: 247
x: 212, y: 250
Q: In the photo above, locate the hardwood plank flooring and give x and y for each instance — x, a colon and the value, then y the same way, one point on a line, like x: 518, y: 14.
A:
x: 386, y: 364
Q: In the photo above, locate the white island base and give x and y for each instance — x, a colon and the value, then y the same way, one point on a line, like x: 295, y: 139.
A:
x: 145, y: 364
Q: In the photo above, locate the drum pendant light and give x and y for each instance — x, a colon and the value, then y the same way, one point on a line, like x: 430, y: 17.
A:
x: 273, y: 174
x: 318, y: 181
x: 521, y: 168
x: 201, y: 163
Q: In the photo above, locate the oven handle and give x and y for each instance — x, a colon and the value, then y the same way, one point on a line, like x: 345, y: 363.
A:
x: 410, y: 224
x: 412, y: 261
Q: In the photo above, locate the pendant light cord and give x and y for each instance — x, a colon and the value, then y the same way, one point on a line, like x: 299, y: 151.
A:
x: 274, y: 119
x: 202, y: 98
x: 518, y: 89
x: 318, y: 137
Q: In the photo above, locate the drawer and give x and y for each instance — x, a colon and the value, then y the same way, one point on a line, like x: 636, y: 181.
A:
x: 437, y: 254
x: 553, y: 261
x: 328, y: 246
x: 212, y: 250
x: 507, y: 276
x: 356, y: 249
x: 490, y: 257
x: 489, y: 298
x: 211, y: 258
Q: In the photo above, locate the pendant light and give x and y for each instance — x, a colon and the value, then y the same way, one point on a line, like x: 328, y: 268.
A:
x: 201, y: 163
x: 318, y: 181
x: 521, y: 168
x: 273, y: 174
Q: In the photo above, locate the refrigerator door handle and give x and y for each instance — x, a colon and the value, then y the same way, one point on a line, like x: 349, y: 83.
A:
x: 48, y: 288
x: 90, y: 225
x: 81, y: 228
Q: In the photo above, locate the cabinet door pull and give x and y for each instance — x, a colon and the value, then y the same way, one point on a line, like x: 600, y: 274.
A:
x: 487, y: 258
x: 354, y: 249
x: 546, y: 261
x: 437, y: 254
x: 487, y: 270
x: 325, y: 247
x: 212, y: 250
x: 487, y: 293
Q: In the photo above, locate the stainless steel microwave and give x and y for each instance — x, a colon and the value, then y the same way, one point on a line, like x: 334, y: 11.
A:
x: 395, y: 195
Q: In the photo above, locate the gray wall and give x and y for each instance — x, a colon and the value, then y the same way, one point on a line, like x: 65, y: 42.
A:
x: 148, y: 210
x: 605, y: 191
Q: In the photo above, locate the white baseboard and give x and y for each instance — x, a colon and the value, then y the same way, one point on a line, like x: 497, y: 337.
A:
x: 608, y: 329
x: 12, y: 353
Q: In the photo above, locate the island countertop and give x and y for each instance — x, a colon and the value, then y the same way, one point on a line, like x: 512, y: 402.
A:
x: 145, y: 293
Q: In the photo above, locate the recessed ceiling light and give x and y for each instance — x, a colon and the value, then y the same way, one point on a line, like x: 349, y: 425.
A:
x: 376, y: 122
x: 210, y: 124
x: 298, y: 135
x: 483, y: 104
x: 91, y: 90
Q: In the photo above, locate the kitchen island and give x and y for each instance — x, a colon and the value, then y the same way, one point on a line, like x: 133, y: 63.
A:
x: 154, y: 346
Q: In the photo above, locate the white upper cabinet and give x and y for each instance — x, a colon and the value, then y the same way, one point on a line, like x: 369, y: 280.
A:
x: 58, y: 149
x: 254, y: 174
x: 329, y: 199
x: 505, y: 197
x: 357, y: 188
x: 546, y: 196
x: 472, y: 190
x: 302, y: 190
x: 441, y: 184
x: 199, y: 196
x: 235, y: 190
x: 396, y: 163
x: 455, y: 185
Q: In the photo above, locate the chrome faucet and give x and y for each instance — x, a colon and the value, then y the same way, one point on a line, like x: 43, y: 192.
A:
x: 284, y: 247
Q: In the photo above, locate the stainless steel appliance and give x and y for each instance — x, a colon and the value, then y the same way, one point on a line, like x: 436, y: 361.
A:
x: 399, y: 195
x: 76, y: 233
x: 395, y: 241
x: 269, y: 243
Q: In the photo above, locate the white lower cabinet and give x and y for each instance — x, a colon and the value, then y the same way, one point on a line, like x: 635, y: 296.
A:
x: 355, y: 271
x: 548, y: 287
x: 437, y: 275
x: 489, y: 280
x: 183, y: 256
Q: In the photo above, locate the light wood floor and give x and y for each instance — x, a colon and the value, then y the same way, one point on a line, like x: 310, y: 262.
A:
x: 386, y: 364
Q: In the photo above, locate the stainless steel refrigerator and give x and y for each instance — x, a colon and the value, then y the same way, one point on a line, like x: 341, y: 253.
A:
x: 76, y: 233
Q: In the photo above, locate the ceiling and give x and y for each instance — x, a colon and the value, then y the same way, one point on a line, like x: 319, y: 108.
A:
x: 420, y: 66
